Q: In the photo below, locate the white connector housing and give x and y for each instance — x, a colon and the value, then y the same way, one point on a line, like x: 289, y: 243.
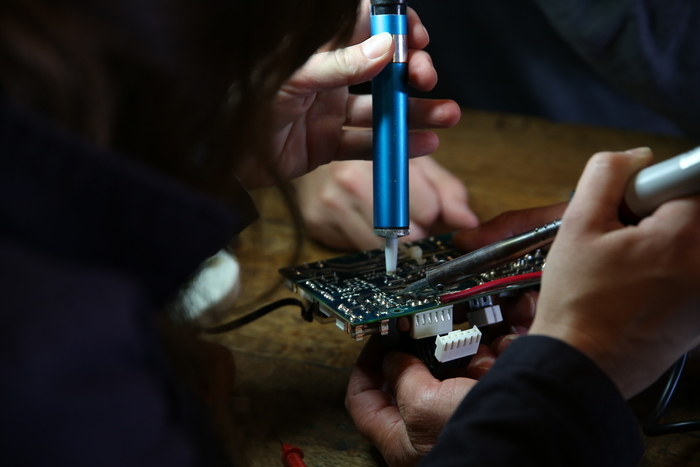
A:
x: 416, y: 253
x: 431, y: 323
x: 485, y: 316
x: 457, y: 344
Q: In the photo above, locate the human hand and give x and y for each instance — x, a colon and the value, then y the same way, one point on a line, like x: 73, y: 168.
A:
x: 394, y: 400
x: 398, y: 405
x: 626, y: 296
x: 336, y: 203
x: 317, y: 120
x: 521, y: 307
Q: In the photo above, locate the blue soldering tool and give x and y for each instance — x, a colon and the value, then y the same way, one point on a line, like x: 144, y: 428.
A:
x: 390, y: 130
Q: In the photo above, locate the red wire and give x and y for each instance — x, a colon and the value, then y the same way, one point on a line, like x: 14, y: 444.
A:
x: 496, y: 283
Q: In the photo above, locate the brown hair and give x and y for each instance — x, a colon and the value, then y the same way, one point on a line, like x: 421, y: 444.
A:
x: 183, y: 86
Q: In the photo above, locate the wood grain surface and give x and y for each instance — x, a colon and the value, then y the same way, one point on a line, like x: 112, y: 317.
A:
x: 291, y: 375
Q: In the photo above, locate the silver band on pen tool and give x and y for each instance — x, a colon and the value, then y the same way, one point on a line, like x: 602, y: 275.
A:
x: 484, y: 259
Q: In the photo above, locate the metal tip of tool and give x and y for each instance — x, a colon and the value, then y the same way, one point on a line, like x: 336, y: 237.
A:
x: 391, y: 253
x: 415, y: 288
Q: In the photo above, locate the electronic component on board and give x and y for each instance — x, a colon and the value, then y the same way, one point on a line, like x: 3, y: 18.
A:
x: 364, y: 297
x: 355, y: 292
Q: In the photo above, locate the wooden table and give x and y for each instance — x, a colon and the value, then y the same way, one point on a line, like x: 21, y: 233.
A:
x: 291, y: 375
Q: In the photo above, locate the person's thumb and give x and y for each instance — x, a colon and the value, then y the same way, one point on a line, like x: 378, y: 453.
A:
x: 342, y: 67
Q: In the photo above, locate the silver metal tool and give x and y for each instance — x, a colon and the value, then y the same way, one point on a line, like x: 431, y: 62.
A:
x: 647, y: 190
x: 484, y: 259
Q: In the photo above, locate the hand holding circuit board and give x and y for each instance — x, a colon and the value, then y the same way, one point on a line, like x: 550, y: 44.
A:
x: 432, y: 277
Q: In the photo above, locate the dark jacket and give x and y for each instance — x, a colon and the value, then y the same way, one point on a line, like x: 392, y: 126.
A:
x: 92, y: 245
x: 621, y: 63
x: 543, y: 404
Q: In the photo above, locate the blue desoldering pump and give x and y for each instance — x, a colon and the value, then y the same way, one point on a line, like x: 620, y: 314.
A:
x: 390, y: 130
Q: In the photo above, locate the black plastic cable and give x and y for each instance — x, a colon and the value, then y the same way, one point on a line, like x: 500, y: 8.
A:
x: 651, y: 426
x: 252, y: 316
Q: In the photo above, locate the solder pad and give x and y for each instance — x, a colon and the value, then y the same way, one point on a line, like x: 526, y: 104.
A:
x: 356, y: 289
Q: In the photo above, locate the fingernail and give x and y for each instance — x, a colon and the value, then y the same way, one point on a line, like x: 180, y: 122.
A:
x: 376, y: 46
x: 484, y: 363
x: 525, y: 307
x: 512, y: 336
x: 426, y: 33
x: 643, y: 151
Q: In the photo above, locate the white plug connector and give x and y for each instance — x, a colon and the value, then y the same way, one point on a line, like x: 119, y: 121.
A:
x: 457, y: 344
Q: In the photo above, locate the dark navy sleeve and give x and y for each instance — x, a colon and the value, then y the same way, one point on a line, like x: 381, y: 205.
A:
x: 84, y: 377
x: 93, y: 247
x: 647, y: 48
x: 542, y: 404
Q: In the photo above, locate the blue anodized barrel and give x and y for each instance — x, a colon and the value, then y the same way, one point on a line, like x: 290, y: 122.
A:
x: 390, y: 124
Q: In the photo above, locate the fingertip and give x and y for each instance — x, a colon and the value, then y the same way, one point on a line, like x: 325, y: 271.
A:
x: 418, y: 36
x: 501, y: 343
x: 600, y: 189
x: 455, y: 111
x: 446, y: 113
x: 377, y: 46
x: 421, y: 71
x: 522, y: 312
x: 620, y: 162
x: 422, y: 143
x: 456, y: 213
x: 467, y: 219
x: 481, y: 362
x: 484, y: 363
x: 643, y: 153
x: 400, y: 367
x: 455, y: 198
x: 417, y: 232
x: 433, y: 113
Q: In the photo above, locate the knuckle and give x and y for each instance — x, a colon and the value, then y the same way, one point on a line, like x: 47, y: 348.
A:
x: 424, y: 218
x: 607, y: 160
x: 350, y: 177
x: 344, y: 61
x: 313, y: 222
x: 329, y: 199
x: 673, y: 255
x: 455, y: 188
x: 686, y: 239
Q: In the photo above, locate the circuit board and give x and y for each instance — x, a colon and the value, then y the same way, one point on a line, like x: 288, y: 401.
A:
x: 356, y: 289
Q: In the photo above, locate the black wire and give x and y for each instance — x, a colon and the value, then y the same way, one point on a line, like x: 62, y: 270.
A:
x: 651, y: 426
x: 252, y: 316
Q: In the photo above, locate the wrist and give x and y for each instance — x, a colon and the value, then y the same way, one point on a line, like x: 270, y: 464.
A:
x: 599, y: 348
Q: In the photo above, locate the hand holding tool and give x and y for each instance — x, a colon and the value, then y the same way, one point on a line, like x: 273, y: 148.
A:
x: 647, y: 190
